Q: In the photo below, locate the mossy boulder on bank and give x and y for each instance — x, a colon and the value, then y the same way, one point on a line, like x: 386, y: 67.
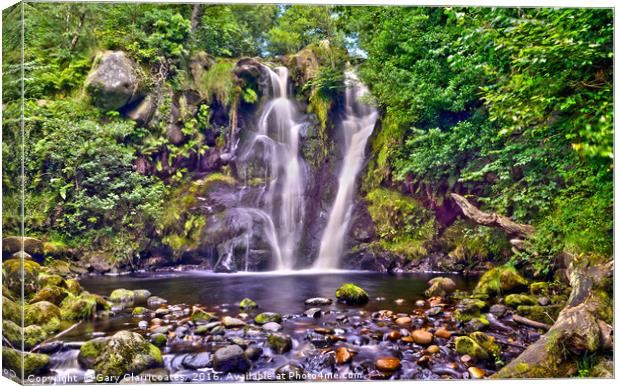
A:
x: 44, y: 314
x: 11, y: 311
x: 123, y: 353
x: 468, y: 309
x: 440, y: 286
x: 73, y: 286
x: 52, y: 294
x: 351, y: 294
x: 78, y: 307
x: 33, y: 335
x: 33, y: 364
x: 12, y: 273
x: 466, y: 345
x: 515, y: 300
x: 500, y: 280
x: 46, y: 279
x: 12, y: 332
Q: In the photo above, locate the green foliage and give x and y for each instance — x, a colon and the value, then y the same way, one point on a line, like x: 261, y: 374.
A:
x: 218, y: 82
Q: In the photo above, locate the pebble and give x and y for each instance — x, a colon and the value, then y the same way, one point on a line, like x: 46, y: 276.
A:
x: 404, y: 321
x: 230, y: 322
x: 272, y: 327
x: 432, y: 349
x: 324, y: 330
x: 422, y: 337
x: 407, y: 339
x: 476, y: 373
x: 420, y: 303
x: 394, y: 335
x: 343, y: 355
x: 387, y: 364
x: 465, y: 358
x: 143, y: 325
x: 399, y: 302
x: 313, y: 313
x: 443, y: 333
x: 318, y: 302
x: 544, y: 301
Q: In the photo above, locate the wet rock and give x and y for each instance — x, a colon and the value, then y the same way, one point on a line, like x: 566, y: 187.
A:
x: 231, y: 359
x: 254, y: 352
x: 248, y: 304
x: 313, y: 313
x: 50, y: 347
x: 266, y: 317
x: 544, y: 301
x: 440, y: 286
x: 114, y: 81
x: 158, y: 339
x: 155, y: 301
x: 46, y: 280
x: 434, y: 311
x: 343, y: 355
x: 318, y: 302
x: 477, y: 324
x: 322, y: 364
x: 324, y: 330
x: 280, y: 343
x: 404, y: 321
x: 422, y: 337
x: 351, y: 294
x: 498, y: 310
x: 443, y: 333
x: 141, y: 295
x: 201, y: 316
x: 139, y: 311
x: 44, y: 314
x: 51, y: 293
x: 230, y: 322
x: 394, y: 335
x: 13, y: 244
x: 73, y: 286
x: 500, y: 280
x: 387, y: 364
x: 467, y: 309
x: 487, y: 342
x: 290, y: 372
x: 272, y: 327
x: 32, y: 364
x: 124, y: 352
x: 99, y: 264
x: 14, y: 277
x: 476, y: 373
x: 432, y: 349
x: 197, y: 361
x: 420, y: 303
x: 81, y: 307
x: 143, y: 325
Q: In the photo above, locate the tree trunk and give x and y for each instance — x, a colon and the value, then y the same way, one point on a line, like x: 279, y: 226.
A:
x: 581, y: 328
x: 492, y: 219
x: 196, y: 16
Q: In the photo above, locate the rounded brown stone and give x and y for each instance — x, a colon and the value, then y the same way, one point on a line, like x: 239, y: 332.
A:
x: 405, y: 321
x: 443, y: 333
x: 476, y: 373
x: 387, y: 364
x: 433, y: 349
x: 407, y: 339
x: 422, y: 337
x: 343, y: 355
x: 394, y: 335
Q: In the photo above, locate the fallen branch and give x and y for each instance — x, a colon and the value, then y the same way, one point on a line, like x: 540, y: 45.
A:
x: 35, y: 348
x: 492, y: 219
x: 529, y: 322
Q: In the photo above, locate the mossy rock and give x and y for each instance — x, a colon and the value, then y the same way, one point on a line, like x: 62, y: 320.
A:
x: 468, y: 309
x: 539, y: 288
x: 78, y: 307
x: 33, y: 364
x: 515, y: 300
x: 500, y: 280
x: 139, y: 311
x: 123, y: 353
x: 248, y: 304
x: 13, y: 244
x: 73, y: 286
x: 266, y: 317
x: 351, y: 294
x: 11, y: 311
x: 486, y: 342
x: 159, y: 340
x: 477, y: 323
x: 200, y: 316
x: 12, y: 273
x: 122, y: 295
x: 7, y: 293
x: 44, y: 314
x: 12, y: 332
x: 45, y: 279
x: 466, y: 345
x: 280, y: 343
x: 141, y: 295
x: 51, y: 293
x: 33, y: 335
x: 547, y: 314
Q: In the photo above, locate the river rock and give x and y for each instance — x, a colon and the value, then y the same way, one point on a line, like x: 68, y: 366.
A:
x: 515, y: 300
x: 266, y: 317
x: 14, y: 277
x: 394, y: 335
x: 197, y: 360
x: 351, y: 294
x: 114, y: 81
x: 254, y: 352
x: 544, y: 301
x: 247, y: 304
x: 230, y: 322
x: 498, y: 310
x: 403, y: 321
x: 500, y: 280
x: 467, y: 346
x: 122, y: 295
x: 201, y: 316
x: 51, y: 293
x: 124, y: 352
x: 313, y: 313
x: 158, y: 339
x: 280, y: 343
x: 13, y: 244
x: 422, y: 337
x: 318, y: 302
x: 44, y: 314
x: 156, y: 301
x: 231, y: 359
x: 432, y: 349
x: 31, y: 363
x: 420, y: 303
x: 476, y: 373
x: 440, y: 286
x: 443, y: 333
x: 141, y: 295
x: 467, y: 309
x: 343, y: 355
x: 290, y: 372
x: 272, y: 327
x: 387, y: 364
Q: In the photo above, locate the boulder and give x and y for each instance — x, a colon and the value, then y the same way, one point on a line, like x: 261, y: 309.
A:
x: 99, y: 264
x: 197, y: 361
x: 78, y: 307
x: 52, y: 294
x: 515, y: 300
x: 33, y: 335
x: 231, y: 359
x: 46, y: 279
x: 280, y: 343
x: 487, y: 342
x: 266, y: 317
x: 73, y: 286
x: 13, y: 277
x: 12, y: 332
x: 33, y: 364
x: 13, y: 244
x: 114, y: 81
x: 122, y: 296
x: 200, y: 316
x: 440, y: 286
x: 44, y: 314
x: 500, y: 280
x: 11, y: 311
x: 468, y: 346
x: 123, y: 353
x: 467, y: 309
x: 351, y: 294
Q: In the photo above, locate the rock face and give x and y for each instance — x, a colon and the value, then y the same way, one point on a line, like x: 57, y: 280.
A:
x: 125, y: 352
x: 114, y: 81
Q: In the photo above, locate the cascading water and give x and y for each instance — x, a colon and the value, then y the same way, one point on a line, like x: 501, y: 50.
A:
x: 277, y: 139
x: 357, y: 126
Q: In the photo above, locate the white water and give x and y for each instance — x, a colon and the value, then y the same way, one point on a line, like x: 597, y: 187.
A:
x: 278, y: 137
x: 357, y: 126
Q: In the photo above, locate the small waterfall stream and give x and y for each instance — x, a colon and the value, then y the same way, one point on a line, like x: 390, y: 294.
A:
x: 357, y: 126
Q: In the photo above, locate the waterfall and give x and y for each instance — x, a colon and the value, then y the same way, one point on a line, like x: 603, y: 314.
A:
x: 277, y: 139
x: 357, y: 126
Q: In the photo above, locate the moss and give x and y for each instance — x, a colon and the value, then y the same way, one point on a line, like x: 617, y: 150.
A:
x: 247, y: 304
x: 266, y: 317
x: 351, y: 294
x: 467, y: 345
x: 539, y: 313
x: 33, y: 335
x: 46, y: 279
x: 486, y: 342
x: 280, y: 343
x: 515, y: 300
x: 139, y: 311
x: 121, y: 295
x: 203, y: 316
x: 470, y: 243
x: 218, y: 82
x: 159, y: 340
x: 78, y: 307
x: 44, y: 314
x: 13, y: 278
x: 11, y: 311
x: 52, y: 294
x: 468, y: 309
x: 539, y: 288
x: 33, y: 364
x: 12, y: 332
x: 73, y: 286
